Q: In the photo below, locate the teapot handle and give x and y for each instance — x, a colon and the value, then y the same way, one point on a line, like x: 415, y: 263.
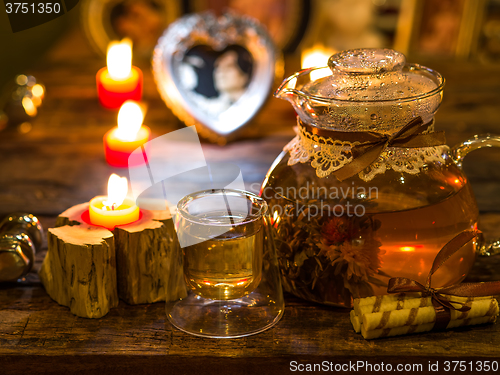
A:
x: 458, y: 153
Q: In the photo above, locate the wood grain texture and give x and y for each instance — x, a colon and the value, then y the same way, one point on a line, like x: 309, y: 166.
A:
x: 79, y: 270
x: 28, y: 325
x: 306, y: 332
x: 149, y: 261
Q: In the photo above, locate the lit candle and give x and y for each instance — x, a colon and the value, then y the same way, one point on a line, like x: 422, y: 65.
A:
x: 130, y: 134
x: 114, y: 209
x: 119, y: 81
x: 317, y: 57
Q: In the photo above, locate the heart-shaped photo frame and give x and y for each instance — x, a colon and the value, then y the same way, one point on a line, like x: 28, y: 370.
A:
x: 215, y: 72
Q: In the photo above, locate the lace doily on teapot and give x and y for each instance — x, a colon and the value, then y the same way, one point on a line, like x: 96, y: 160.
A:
x: 327, y: 155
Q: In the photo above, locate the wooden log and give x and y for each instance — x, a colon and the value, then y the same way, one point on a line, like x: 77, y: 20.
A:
x: 73, y: 216
x: 149, y: 260
x: 173, y: 271
x: 148, y: 256
x: 79, y: 270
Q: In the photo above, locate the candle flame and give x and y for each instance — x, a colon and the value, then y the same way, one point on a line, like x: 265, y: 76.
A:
x: 317, y: 57
x: 130, y: 119
x: 407, y: 248
x: 119, y: 59
x: 117, y: 191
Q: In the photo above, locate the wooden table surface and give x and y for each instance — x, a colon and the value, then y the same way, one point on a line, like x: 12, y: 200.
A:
x: 60, y: 163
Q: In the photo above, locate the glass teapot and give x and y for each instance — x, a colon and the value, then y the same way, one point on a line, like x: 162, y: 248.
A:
x: 367, y: 190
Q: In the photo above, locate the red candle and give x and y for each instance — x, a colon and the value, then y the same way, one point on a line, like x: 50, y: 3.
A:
x: 129, y: 135
x: 119, y: 81
x: 115, y: 208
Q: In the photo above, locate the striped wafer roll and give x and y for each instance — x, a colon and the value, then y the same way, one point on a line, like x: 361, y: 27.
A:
x: 379, y: 300
x: 356, y: 322
x: 424, y: 315
x: 406, y: 330
x: 402, y: 301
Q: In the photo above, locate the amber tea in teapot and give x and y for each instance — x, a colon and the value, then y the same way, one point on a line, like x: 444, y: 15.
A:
x: 368, y: 189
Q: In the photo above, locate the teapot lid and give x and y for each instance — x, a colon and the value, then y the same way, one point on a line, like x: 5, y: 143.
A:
x: 370, y: 75
x: 378, y: 79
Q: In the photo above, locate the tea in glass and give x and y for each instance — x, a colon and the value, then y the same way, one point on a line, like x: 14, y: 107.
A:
x: 230, y: 265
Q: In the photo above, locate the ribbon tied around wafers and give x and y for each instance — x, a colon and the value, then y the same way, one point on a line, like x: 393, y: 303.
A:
x: 442, y: 304
x: 369, y: 145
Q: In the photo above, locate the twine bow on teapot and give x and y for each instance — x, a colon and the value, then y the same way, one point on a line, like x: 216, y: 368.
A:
x: 369, y: 145
x: 441, y: 304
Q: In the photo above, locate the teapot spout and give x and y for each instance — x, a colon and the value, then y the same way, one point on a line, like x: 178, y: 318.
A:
x: 287, y: 89
x: 292, y: 88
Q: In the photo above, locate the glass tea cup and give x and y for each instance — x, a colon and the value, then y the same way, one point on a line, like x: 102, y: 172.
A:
x: 230, y: 265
